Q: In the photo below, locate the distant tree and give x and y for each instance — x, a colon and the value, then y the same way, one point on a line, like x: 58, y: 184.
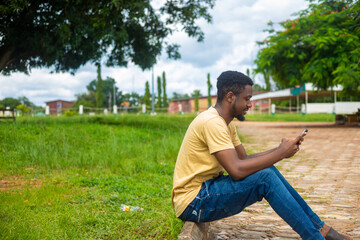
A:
x: 99, y: 89
x: 258, y: 88
x: 23, y: 109
x: 133, y: 98
x: 9, y: 102
x: 266, y: 75
x: 108, y: 87
x: 26, y: 102
x: 71, y: 33
x: 196, y: 98
x: 164, y: 100
x: 179, y: 96
x: 209, y: 89
x: 321, y: 46
x: 88, y: 99
x: 159, y: 101
x: 199, y: 93
x: 85, y: 99
x: 147, y: 94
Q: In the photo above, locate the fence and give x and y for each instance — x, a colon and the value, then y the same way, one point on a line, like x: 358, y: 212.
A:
x: 335, y: 108
x: 82, y: 110
x: 7, y: 113
x: 274, y: 109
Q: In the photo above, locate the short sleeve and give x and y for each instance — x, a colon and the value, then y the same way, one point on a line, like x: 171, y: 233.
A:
x: 217, y: 136
x: 234, y: 136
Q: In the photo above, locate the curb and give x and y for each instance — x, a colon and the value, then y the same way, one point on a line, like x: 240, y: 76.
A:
x: 194, y: 231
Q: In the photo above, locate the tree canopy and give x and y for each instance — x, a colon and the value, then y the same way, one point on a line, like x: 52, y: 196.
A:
x: 320, y: 46
x: 177, y: 95
x: 66, y: 34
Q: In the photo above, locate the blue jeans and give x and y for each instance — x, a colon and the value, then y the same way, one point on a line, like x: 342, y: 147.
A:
x: 223, y: 197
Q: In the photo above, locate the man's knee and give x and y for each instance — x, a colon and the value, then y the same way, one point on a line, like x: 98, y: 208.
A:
x: 267, y: 172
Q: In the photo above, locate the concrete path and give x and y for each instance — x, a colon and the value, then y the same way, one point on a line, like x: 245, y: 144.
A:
x: 326, y: 173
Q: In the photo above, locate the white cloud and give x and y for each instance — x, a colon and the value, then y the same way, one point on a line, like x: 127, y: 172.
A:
x: 229, y: 44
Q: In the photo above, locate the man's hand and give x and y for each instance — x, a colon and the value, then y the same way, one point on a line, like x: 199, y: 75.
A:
x: 288, y: 147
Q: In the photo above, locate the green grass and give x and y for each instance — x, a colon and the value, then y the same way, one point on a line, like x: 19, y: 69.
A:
x: 292, y: 117
x: 66, y: 177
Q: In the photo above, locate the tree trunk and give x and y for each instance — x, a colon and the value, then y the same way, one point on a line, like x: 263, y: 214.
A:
x: 5, y: 59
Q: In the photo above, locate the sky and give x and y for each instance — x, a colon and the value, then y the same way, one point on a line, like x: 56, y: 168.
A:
x: 229, y: 44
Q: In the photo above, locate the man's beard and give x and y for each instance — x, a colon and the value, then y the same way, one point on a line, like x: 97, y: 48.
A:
x: 240, y: 117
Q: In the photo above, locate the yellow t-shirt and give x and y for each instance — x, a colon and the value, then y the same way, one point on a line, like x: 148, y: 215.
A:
x: 195, y: 164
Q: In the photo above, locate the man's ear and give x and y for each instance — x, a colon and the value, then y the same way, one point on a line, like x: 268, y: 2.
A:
x: 230, y: 97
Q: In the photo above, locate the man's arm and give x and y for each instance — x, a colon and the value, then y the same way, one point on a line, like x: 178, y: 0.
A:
x: 239, y: 169
x: 241, y: 152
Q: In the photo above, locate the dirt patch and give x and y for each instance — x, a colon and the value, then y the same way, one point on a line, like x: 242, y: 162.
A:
x: 17, y: 182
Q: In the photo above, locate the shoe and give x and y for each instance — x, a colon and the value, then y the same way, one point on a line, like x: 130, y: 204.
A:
x: 332, y: 234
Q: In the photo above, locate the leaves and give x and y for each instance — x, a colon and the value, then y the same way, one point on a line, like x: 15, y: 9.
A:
x: 321, y: 46
x: 66, y: 34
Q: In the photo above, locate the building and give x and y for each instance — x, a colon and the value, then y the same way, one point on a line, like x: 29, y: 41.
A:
x: 56, y: 107
x: 187, y: 105
x: 309, y: 91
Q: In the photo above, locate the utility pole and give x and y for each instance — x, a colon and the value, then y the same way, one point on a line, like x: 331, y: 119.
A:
x: 114, y: 94
x: 109, y: 101
x: 153, y: 94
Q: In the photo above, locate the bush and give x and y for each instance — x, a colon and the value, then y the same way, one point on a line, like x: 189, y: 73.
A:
x: 69, y: 113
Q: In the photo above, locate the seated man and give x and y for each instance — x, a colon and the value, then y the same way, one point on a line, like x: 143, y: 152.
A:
x: 201, y: 193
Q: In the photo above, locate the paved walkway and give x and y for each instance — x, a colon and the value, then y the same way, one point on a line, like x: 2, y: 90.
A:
x: 326, y: 172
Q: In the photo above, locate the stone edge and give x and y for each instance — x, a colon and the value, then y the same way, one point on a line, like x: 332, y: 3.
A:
x: 194, y: 231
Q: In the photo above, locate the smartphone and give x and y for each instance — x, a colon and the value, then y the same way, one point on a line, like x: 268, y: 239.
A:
x: 303, y: 133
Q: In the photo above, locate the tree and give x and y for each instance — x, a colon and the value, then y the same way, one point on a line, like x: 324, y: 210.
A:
x: 257, y: 88
x: 108, y: 88
x: 320, y: 46
x: 209, y: 89
x: 85, y: 99
x: 266, y: 75
x: 194, y: 93
x: 26, y: 102
x: 147, y: 94
x: 159, y: 101
x: 180, y: 95
x: 165, y: 100
x: 66, y: 34
x: 99, y: 89
x: 196, y: 98
x: 23, y: 109
x: 133, y: 98
x: 88, y: 99
x: 9, y: 102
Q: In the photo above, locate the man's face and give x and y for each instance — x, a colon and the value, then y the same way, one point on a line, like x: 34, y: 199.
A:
x: 242, y: 103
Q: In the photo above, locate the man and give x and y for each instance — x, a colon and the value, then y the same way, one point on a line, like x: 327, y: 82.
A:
x: 201, y: 193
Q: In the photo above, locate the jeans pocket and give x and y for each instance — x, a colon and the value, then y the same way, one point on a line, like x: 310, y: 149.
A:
x: 190, y: 213
x: 209, y: 215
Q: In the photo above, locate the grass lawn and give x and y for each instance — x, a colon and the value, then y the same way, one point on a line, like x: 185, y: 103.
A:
x: 66, y: 177
x: 292, y: 117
